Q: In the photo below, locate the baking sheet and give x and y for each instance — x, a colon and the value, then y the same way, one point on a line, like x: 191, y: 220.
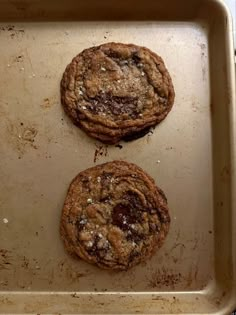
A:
x: 190, y: 155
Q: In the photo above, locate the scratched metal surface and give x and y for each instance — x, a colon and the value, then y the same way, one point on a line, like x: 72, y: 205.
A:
x: 41, y: 151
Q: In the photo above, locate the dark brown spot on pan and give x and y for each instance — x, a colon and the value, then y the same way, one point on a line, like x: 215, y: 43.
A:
x: 99, y: 151
x: 119, y: 146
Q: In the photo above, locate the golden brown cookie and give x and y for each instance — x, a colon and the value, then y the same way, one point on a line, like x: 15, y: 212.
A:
x: 114, y: 216
x: 117, y: 91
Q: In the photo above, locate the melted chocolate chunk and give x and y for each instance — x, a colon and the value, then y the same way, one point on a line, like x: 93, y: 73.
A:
x: 123, y: 215
x: 135, y: 135
x: 116, y: 105
x: 128, y: 212
x: 133, y: 198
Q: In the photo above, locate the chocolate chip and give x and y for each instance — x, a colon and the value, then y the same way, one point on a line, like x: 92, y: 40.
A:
x: 116, y: 105
x: 133, y: 199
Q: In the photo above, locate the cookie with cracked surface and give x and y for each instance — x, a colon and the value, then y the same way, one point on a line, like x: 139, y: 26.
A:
x: 114, y: 216
x: 117, y: 91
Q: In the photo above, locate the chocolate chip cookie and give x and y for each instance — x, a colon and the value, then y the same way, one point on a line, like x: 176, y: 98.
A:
x: 117, y: 91
x: 114, y: 216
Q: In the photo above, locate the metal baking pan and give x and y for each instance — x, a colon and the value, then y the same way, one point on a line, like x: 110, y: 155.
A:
x: 191, y: 155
